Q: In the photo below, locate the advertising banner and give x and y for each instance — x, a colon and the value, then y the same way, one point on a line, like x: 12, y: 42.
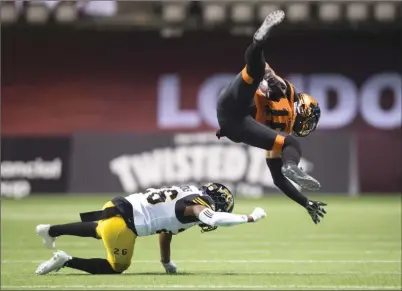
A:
x: 34, y: 165
x: 139, y: 91
x: 132, y: 163
x: 140, y: 82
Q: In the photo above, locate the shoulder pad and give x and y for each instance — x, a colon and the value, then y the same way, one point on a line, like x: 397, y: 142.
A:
x: 205, y: 200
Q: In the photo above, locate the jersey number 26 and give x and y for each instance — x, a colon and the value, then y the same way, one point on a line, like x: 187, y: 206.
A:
x: 160, y: 196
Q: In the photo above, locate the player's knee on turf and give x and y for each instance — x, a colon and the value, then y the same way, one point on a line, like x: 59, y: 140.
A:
x: 120, y: 267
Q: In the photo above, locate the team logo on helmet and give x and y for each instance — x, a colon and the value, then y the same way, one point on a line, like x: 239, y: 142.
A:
x: 307, y: 115
x: 223, y: 198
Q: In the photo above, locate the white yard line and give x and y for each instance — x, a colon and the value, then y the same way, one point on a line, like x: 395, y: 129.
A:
x: 244, y: 261
x: 310, y: 237
x: 175, y: 286
x: 231, y: 251
x: 292, y: 244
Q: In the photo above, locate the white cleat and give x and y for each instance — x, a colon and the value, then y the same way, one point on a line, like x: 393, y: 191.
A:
x: 54, y: 264
x: 43, y: 231
x: 273, y: 19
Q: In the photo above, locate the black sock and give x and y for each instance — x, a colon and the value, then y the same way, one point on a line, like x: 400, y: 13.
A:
x: 292, y: 152
x: 290, y: 155
x: 255, y: 62
x: 92, y: 266
x: 283, y: 183
x: 289, y: 190
x: 83, y: 229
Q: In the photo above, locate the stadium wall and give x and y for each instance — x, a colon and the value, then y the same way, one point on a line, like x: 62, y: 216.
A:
x: 119, y: 111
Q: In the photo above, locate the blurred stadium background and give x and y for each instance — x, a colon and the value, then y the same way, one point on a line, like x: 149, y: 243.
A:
x: 100, y: 98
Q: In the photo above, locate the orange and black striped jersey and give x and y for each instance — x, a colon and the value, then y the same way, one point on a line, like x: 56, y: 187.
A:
x: 276, y: 113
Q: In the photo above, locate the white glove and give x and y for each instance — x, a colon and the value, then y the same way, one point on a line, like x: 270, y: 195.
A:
x: 170, y: 267
x: 258, y: 213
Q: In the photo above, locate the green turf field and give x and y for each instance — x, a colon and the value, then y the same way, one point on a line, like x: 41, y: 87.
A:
x: 357, y: 246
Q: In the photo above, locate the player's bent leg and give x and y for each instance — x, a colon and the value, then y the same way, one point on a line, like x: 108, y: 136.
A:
x: 253, y: 133
x: 291, y: 155
x: 50, y: 232
x: 280, y: 181
x: 61, y: 259
x: 95, y: 266
x: 81, y: 229
x: 254, y: 71
x: 235, y: 99
x: 258, y: 135
x: 118, y: 240
x: 291, y: 150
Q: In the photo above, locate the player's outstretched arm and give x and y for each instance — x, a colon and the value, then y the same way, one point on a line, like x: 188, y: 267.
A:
x: 212, y: 218
x: 165, y: 240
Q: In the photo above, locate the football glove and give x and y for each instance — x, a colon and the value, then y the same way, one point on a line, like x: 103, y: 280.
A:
x: 316, y: 210
x: 258, y: 213
x: 170, y: 267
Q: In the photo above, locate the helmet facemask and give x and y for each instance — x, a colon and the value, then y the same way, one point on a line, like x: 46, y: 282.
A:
x: 223, y: 198
x: 307, y: 115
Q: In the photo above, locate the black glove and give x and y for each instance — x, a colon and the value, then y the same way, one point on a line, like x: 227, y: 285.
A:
x: 275, y: 85
x: 314, y: 208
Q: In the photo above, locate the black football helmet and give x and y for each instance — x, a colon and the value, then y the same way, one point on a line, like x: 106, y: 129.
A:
x: 308, y: 114
x: 223, y: 198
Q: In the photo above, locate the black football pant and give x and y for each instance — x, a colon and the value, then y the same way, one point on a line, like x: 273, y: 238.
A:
x: 235, y: 116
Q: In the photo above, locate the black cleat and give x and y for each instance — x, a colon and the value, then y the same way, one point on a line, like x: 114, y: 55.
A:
x: 273, y: 19
x: 297, y: 175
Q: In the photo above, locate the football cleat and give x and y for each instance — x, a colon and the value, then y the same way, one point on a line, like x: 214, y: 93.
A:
x: 57, y: 262
x: 294, y: 173
x: 273, y: 19
x: 43, y: 231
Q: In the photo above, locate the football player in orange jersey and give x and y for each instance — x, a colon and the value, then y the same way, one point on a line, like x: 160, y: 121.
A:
x: 263, y: 110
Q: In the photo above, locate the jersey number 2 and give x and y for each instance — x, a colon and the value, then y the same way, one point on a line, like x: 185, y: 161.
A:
x: 159, y: 197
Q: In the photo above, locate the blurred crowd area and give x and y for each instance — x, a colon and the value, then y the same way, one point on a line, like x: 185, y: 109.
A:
x: 175, y: 16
